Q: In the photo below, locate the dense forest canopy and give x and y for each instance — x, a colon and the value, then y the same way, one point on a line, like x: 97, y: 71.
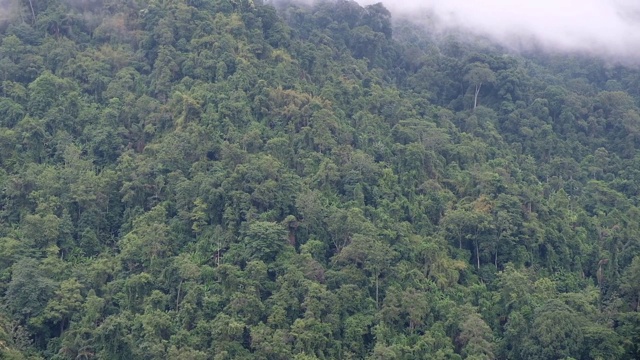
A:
x: 221, y: 179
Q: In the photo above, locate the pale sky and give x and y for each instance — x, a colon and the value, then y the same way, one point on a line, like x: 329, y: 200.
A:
x: 607, y: 27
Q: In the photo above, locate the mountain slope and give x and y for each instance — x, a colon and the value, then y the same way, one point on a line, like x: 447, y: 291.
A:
x: 224, y: 180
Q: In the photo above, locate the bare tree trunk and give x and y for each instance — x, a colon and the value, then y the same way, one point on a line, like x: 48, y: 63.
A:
x: 377, y: 289
x: 477, y: 254
x: 178, y: 296
x: 32, y: 11
x: 475, y: 98
x: 218, y: 254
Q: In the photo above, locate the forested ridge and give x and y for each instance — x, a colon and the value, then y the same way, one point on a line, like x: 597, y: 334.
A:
x: 221, y: 179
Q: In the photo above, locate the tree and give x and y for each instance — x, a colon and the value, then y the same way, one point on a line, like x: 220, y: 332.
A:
x: 476, y: 75
x: 264, y: 241
x: 630, y: 284
x: 556, y: 333
x: 66, y: 301
x: 43, y: 93
x: 29, y: 290
x: 372, y: 254
x: 476, y: 338
x: 470, y: 222
x: 147, y: 241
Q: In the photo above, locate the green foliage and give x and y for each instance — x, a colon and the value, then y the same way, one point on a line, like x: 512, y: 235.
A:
x: 215, y: 179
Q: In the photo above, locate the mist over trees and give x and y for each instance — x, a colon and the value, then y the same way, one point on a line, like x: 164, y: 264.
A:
x: 540, y: 25
x: 218, y: 179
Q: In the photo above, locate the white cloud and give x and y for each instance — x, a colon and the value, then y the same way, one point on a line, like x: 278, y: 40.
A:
x: 608, y: 27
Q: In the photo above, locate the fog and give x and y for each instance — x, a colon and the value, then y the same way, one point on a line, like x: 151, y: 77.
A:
x: 8, y: 9
x: 609, y: 28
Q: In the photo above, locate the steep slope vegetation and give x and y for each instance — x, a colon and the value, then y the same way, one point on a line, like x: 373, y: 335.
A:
x: 215, y: 179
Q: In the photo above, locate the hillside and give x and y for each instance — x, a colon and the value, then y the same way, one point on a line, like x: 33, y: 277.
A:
x: 221, y: 179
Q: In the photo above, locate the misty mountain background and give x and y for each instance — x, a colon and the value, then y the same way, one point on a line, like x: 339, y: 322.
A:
x: 609, y: 29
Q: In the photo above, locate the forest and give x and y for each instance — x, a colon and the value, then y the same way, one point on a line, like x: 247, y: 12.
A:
x: 229, y: 179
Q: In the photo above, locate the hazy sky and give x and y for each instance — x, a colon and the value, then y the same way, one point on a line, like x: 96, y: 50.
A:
x: 607, y: 27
